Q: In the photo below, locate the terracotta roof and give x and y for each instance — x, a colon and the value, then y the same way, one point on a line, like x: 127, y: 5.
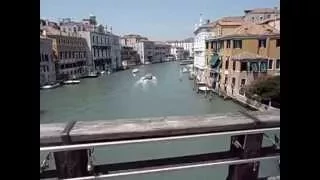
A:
x: 232, y: 18
x: 262, y: 10
x: 247, y: 56
x: 251, y: 29
x: 230, y: 21
x: 269, y: 20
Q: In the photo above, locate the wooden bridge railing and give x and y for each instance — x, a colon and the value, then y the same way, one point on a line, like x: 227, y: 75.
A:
x: 70, y: 142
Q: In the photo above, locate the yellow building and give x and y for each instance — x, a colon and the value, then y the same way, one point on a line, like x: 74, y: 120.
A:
x: 220, y: 27
x: 248, y: 52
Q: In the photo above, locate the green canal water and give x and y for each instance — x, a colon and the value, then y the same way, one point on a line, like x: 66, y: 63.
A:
x: 122, y: 95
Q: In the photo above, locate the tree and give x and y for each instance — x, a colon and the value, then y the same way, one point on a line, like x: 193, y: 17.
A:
x: 265, y: 89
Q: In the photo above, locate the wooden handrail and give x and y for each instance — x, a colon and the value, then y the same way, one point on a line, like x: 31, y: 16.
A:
x: 123, y: 129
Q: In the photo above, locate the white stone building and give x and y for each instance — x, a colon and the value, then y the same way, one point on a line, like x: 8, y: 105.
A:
x: 186, y: 44
x: 202, y: 32
x: 47, y: 65
x: 116, y: 61
x: 100, y: 48
x: 177, y: 52
x: 145, y: 49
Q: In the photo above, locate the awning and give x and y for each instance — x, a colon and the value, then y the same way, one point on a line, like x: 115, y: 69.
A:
x: 215, y: 61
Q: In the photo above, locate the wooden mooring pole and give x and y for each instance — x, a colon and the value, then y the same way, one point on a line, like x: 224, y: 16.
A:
x: 245, y: 146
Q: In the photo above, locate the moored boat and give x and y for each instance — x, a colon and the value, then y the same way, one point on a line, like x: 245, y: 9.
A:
x: 71, y: 82
x: 50, y: 86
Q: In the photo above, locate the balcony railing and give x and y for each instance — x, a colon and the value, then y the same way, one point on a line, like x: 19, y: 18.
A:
x: 71, y: 144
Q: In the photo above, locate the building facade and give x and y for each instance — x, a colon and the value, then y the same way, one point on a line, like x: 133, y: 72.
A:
x: 202, y: 32
x: 68, y: 26
x: 177, y: 52
x: 145, y: 49
x: 248, y: 53
x: 115, y: 52
x: 71, y: 55
x: 47, y: 66
x: 131, y: 39
x: 100, y: 49
x: 161, y: 52
x: 129, y: 57
x: 186, y: 44
x: 259, y: 15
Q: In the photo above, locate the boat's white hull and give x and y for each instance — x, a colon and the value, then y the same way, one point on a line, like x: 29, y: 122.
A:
x: 135, y: 70
x: 50, y: 86
x: 71, y: 82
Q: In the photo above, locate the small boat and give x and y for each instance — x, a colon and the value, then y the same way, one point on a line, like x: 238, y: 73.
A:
x: 147, y: 62
x: 135, y: 70
x: 185, y: 70
x: 50, y: 86
x: 148, y: 77
x: 71, y: 82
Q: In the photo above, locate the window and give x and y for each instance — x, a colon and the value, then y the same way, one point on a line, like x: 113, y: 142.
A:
x: 228, y: 43
x: 79, y: 28
x: 227, y: 64
x: 270, y: 64
x: 69, y: 54
x: 278, y: 43
x: 92, y: 39
x: 278, y: 64
x: 244, y: 66
x: 243, y: 82
x: 237, y: 44
x: 46, y: 57
x: 207, y: 45
x: 262, y: 43
x: 252, y: 19
x: 260, y: 18
x: 211, y: 44
x: 74, y: 29
x: 268, y: 16
x: 226, y: 80
x: 233, y: 82
x: 234, y: 65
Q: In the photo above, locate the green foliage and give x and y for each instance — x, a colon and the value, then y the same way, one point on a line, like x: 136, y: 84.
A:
x: 265, y: 89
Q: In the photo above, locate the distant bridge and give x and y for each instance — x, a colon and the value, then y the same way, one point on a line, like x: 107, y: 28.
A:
x: 71, y: 144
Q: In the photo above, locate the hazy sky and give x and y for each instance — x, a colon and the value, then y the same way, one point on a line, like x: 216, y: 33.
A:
x: 156, y: 19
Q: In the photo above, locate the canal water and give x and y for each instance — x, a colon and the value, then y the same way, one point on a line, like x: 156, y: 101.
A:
x: 123, y: 95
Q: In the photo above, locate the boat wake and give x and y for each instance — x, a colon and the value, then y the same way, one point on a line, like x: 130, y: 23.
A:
x: 146, y: 81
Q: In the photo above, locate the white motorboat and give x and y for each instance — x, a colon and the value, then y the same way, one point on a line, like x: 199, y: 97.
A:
x: 50, y: 86
x: 71, y: 82
x: 185, y: 70
x: 147, y: 62
x: 135, y: 70
x: 149, y: 76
